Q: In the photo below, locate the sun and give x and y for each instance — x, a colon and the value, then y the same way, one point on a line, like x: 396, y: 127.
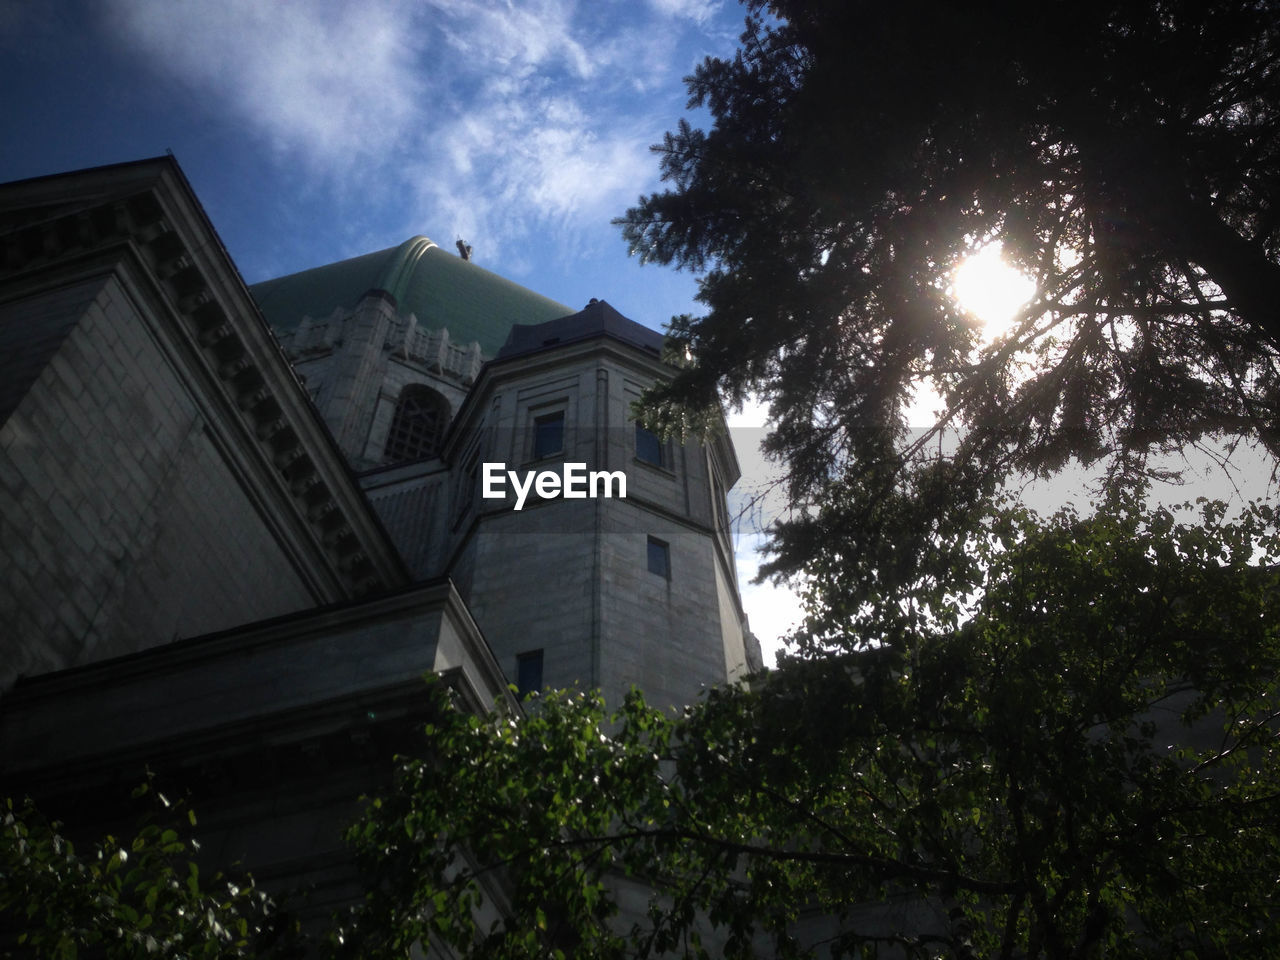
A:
x: 992, y: 291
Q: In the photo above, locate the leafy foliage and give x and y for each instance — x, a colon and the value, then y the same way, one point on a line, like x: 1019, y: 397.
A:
x: 997, y: 738
x: 1082, y: 761
x: 1041, y: 741
x: 1059, y: 740
x: 125, y: 898
x: 1127, y: 155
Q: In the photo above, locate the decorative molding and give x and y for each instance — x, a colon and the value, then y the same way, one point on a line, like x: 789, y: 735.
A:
x: 435, y: 350
x: 140, y: 222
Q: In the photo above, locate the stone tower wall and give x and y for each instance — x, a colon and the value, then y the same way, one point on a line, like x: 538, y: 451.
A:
x: 357, y: 362
x: 571, y: 578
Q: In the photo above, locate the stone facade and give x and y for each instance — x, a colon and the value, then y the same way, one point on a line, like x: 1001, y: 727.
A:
x: 161, y: 473
x: 236, y: 526
x: 131, y: 527
x: 603, y: 618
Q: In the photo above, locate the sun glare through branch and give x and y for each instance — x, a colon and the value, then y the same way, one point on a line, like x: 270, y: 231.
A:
x: 991, y: 290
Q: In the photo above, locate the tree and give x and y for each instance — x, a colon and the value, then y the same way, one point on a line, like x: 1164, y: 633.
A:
x: 128, y: 897
x: 1072, y: 754
x: 1126, y: 155
x: 1059, y: 741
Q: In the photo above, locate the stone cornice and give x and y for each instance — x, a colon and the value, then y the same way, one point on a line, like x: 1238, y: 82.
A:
x: 283, y: 679
x: 147, y: 212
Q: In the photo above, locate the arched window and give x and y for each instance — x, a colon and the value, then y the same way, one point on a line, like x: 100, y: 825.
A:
x: 418, y: 425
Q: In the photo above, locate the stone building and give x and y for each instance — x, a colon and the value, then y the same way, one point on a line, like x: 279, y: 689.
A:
x: 237, y: 524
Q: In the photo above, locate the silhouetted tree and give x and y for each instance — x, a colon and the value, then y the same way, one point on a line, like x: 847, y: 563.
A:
x: 1083, y: 766
x: 1064, y: 746
x: 1126, y: 154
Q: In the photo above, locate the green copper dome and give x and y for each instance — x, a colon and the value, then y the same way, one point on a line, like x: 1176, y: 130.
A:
x: 441, y: 289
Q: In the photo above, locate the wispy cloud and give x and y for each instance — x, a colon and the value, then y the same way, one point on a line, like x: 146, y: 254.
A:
x: 507, y: 171
x: 700, y: 11
x: 513, y: 40
x: 331, y: 81
x: 545, y: 135
x: 499, y: 121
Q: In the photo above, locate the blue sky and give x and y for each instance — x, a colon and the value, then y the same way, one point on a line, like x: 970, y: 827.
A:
x: 318, y: 130
x: 314, y: 131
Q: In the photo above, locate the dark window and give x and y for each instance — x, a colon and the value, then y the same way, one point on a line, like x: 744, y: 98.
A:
x: 548, y: 435
x: 659, y: 558
x: 529, y: 672
x: 418, y: 425
x: 649, y: 447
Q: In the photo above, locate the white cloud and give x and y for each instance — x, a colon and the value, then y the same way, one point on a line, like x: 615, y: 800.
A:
x: 699, y: 11
x: 335, y: 81
x: 643, y: 56
x: 508, y: 123
x: 538, y: 143
x: 507, y: 172
x: 514, y: 39
x: 579, y: 172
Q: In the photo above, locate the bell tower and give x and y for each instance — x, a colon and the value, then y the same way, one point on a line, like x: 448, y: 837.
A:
x: 585, y: 587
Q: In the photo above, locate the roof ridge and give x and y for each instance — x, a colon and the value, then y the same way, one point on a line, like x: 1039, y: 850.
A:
x: 442, y: 290
x: 402, y: 265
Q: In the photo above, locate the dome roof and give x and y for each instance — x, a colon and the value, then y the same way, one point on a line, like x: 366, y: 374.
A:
x: 441, y: 289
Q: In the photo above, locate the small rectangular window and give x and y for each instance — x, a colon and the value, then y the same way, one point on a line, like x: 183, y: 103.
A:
x: 649, y: 447
x: 548, y: 435
x: 529, y: 672
x: 659, y: 558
